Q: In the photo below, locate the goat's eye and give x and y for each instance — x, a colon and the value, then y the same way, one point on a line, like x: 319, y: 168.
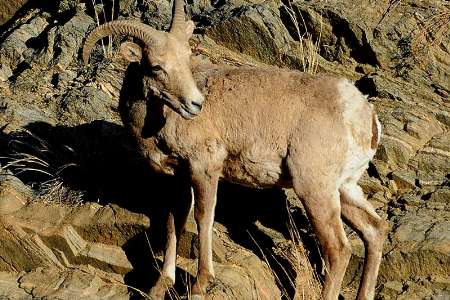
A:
x: 157, y: 68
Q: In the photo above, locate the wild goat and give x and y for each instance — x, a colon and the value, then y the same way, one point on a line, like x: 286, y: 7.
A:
x: 260, y: 128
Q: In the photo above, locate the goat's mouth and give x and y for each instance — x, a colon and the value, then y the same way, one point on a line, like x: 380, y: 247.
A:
x: 175, y: 104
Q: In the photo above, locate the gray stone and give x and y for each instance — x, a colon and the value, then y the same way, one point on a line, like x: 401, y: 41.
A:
x: 69, y: 38
x: 404, y: 179
x: 253, y: 30
x: 13, y: 48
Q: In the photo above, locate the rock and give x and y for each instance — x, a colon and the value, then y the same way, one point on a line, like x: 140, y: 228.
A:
x: 404, y: 179
x: 443, y: 117
x: 379, y: 45
x: 376, y: 85
x: 13, y: 194
x: 370, y: 185
x: 433, y: 161
x: 417, y: 246
x: 9, y: 287
x: 95, y: 223
x: 234, y: 281
x: 9, y: 8
x: 14, y: 47
x: 5, y: 72
x: 394, y: 151
x: 421, y: 245
x: 53, y: 283
x: 84, y: 105
x: 441, y: 196
x: 248, y: 26
x: 68, y: 38
x: 48, y: 235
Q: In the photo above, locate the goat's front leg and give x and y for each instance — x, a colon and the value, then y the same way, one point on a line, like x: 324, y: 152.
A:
x: 205, y: 194
x: 176, y: 222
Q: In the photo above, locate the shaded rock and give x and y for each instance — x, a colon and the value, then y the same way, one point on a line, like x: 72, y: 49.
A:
x: 376, y: 85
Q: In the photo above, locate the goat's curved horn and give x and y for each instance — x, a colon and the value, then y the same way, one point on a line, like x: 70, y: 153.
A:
x: 179, y: 17
x: 145, y: 33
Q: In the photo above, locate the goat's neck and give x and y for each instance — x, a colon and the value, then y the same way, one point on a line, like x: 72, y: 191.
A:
x: 155, y: 118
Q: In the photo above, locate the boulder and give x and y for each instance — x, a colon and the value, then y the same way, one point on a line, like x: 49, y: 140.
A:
x: 13, y: 194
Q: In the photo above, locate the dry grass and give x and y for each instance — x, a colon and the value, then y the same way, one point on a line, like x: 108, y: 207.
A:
x: 54, y: 191
x: 30, y: 156
x: 304, y: 280
x: 107, y: 51
x: 309, y: 49
x: 307, y: 284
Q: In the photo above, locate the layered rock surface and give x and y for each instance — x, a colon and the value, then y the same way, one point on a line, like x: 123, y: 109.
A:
x: 391, y: 49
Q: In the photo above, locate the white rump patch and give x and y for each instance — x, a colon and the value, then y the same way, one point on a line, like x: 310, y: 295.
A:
x: 358, y: 120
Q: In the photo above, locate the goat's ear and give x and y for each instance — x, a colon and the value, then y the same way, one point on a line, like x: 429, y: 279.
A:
x: 190, y: 26
x: 131, y: 51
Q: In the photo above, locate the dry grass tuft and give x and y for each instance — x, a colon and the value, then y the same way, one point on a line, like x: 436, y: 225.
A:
x: 304, y: 280
x: 54, y: 191
x: 107, y: 51
x: 309, y: 49
x: 30, y: 157
x: 307, y: 284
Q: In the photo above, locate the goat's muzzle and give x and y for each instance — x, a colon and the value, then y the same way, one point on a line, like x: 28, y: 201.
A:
x: 187, y: 108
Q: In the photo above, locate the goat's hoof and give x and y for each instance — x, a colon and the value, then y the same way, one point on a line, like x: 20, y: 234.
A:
x: 201, y: 285
x: 197, y: 297
x: 160, y: 288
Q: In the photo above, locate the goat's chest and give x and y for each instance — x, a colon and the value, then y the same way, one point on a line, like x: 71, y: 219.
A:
x: 160, y: 158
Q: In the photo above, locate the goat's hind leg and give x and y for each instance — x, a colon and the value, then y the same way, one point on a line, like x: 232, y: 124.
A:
x: 360, y: 215
x: 324, y: 212
x: 176, y: 222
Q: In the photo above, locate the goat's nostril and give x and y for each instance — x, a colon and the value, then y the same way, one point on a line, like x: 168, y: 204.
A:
x: 197, y: 105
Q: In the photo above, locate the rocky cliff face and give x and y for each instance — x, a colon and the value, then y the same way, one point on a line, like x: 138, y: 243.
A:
x: 61, y: 118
